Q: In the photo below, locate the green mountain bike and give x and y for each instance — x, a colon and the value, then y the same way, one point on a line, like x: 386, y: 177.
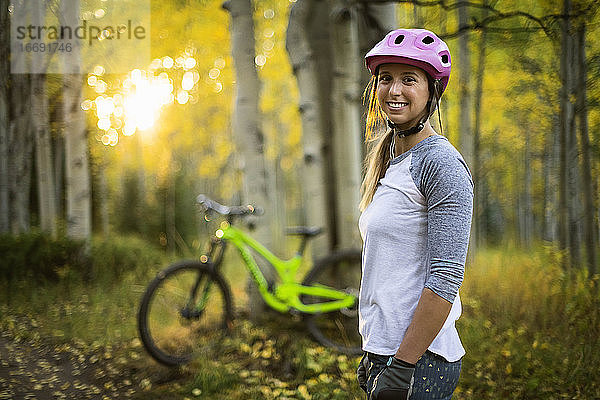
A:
x: 188, y: 305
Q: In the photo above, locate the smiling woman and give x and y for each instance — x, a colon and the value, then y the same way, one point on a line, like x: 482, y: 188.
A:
x: 417, y: 203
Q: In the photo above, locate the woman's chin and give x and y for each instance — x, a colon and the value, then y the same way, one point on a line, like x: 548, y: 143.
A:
x: 400, y: 123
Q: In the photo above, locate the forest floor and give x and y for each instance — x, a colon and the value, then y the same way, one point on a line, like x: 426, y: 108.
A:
x: 33, y: 366
x: 275, y: 361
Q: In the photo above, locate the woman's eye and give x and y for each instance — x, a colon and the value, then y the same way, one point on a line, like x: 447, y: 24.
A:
x: 409, y: 79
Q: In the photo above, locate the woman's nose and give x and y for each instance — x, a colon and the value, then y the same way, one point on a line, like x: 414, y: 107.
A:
x: 396, y: 87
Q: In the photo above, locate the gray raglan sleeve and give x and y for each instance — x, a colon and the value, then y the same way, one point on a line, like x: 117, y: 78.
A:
x: 448, y: 189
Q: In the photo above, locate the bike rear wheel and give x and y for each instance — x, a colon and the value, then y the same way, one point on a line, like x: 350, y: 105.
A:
x: 184, y: 312
x: 336, y: 329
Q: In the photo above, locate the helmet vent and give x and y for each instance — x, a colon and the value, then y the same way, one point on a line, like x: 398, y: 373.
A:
x: 399, y: 39
x: 427, y: 40
x: 445, y: 58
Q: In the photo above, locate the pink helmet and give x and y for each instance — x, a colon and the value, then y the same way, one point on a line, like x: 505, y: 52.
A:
x: 418, y: 47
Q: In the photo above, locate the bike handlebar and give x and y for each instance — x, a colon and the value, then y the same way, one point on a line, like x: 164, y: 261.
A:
x: 210, y: 204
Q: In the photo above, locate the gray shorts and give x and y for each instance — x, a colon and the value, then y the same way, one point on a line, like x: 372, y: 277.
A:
x: 435, y: 378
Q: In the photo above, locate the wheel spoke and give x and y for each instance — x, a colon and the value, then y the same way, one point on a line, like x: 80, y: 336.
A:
x: 171, y: 329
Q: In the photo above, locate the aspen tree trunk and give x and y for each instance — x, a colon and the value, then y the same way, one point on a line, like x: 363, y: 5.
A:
x: 464, y: 56
x: 304, y: 65
x: 574, y: 202
x: 278, y: 197
x: 59, y: 171
x: 527, y: 230
x: 417, y: 21
x: 43, y: 146
x: 20, y: 149
x: 550, y: 169
x: 478, y: 177
x: 346, y: 128
x: 77, y: 171
x: 564, y: 116
x: 103, y: 200
x: 319, y: 36
x: 246, y: 122
x: 170, y: 206
x: 375, y: 21
x: 465, y: 129
x: 19, y: 143
x: 586, y: 167
x: 4, y: 115
x: 570, y: 138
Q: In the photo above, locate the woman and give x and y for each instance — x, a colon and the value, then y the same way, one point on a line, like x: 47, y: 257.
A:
x: 417, y: 201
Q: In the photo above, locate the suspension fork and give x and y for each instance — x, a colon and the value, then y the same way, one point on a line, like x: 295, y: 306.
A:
x: 215, y: 255
x: 194, y: 308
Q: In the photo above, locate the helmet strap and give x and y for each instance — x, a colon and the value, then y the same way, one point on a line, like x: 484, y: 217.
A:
x: 440, y: 119
x: 407, y: 132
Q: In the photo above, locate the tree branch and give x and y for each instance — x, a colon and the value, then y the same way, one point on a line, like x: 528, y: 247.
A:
x: 544, y: 22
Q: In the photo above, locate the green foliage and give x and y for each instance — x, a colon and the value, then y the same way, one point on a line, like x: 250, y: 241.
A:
x: 35, y: 256
x: 274, y: 358
x: 529, y: 328
x: 113, y: 258
x: 43, y: 278
x: 38, y: 257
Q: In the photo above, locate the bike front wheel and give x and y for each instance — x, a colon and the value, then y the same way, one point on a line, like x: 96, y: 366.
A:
x: 184, y: 312
x: 337, y: 329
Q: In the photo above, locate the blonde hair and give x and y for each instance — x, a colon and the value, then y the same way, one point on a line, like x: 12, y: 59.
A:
x: 378, y: 138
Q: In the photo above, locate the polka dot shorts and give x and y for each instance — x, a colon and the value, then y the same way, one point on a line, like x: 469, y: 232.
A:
x: 435, y: 378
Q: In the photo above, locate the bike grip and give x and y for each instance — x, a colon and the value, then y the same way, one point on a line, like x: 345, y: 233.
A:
x: 201, y: 199
x: 258, y: 210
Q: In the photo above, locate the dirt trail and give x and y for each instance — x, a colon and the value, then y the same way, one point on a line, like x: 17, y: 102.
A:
x: 33, y: 368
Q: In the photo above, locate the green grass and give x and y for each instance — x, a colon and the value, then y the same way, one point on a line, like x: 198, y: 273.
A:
x: 99, y: 309
x: 530, y: 331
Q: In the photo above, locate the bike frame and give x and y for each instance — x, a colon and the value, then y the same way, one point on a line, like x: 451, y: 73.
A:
x: 285, y: 295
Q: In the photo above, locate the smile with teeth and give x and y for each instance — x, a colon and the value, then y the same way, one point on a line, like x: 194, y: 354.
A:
x: 396, y: 104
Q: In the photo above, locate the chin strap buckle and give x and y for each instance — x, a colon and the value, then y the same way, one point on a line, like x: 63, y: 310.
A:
x: 411, y: 131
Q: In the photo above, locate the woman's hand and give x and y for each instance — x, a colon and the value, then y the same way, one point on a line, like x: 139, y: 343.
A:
x: 394, y: 382
x: 361, y: 373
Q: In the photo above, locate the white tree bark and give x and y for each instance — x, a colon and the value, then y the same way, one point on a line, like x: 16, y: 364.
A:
x: 476, y: 168
x: 77, y: 172
x: 19, y: 154
x: 4, y: 115
x: 466, y: 106
x: 347, y: 141
x: 246, y: 122
x: 464, y: 57
x: 19, y: 143
x: 314, y: 185
x: 550, y: 169
x: 375, y: 21
x: 586, y: 166
x: 527, y: 229
x: 43, y: 147
x: 567, y: 122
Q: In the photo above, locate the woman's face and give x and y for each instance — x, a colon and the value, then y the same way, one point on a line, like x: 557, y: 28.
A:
x: 402, y: 91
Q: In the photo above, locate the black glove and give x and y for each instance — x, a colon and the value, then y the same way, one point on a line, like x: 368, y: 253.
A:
x: 394, y: 382
x: 361, y: 373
